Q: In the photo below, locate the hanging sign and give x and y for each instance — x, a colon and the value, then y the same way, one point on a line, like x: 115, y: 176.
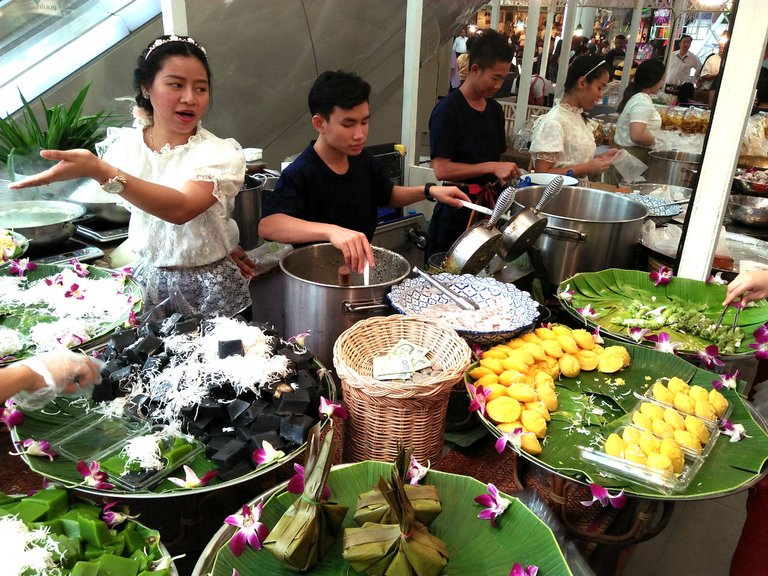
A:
x: 48, y: 7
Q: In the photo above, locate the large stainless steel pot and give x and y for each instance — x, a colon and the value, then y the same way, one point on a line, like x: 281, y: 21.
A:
x: 41, y: 221
x: 99, y: 203
x: 673, y: 167
x: 587, y: 230
x: 316, y: 302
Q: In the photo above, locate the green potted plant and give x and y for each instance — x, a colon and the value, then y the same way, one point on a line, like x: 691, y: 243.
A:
x: 65, y: 128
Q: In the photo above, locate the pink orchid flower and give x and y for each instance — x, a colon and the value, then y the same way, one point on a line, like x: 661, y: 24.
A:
x: 717, y: 279
x: 21, y: 267
x: 495, y: 504
x: 736, y: 432
x: 191, y: 480
x: 74, y: 292
x: 726, y: 381
x: 250, y: 531
x: 114, y: 518
x: 477, y: 351
x: 479, y: 395
x: 94, y: 476
x: 11, y: 416
x: 709, y: 356
x: 512, y: 438
x: 638, y: 334
x: 416, y: 471
x: 566, y: 294
x: 32, y: 447
x: 266, y: 454
x: 588, y: 312
x: 132, y: 321
x: 123, y: 274
x: 70, y: 340
x: 299, y: 341
x: 520, y: 570
x: 78, y: 268
x: 664, y: 342
x: 57, y: 280
x: 597, y: 337
x: 328, y: 409
x: 600, y: 494
x: 761, y: 342
x: 661, y: 277
x: 296, y: 483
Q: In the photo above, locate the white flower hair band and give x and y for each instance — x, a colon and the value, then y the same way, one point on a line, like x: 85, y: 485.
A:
x: 173, y: 38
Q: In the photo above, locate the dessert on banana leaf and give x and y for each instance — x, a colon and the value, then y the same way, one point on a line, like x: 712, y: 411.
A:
x: 403, y: 549
x: 304, y: 533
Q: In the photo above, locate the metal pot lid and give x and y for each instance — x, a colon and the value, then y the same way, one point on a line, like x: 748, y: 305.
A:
x: 35, y: 213
x: 473, y: 250
x: 521, y: 233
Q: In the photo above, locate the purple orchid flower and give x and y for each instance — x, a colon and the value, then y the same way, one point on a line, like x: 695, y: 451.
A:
x: 10, y: 415
x: 123, y: 274
x: 71, y: 340
x: 328, y: 409
x: 638, y: 334
x: 709, y: 356
x: 74, y: 292
x: 296, y: 483
x: 416, y: 471
x: 513, y: 438
x: 32, y: 447
x: 477, y: 351
x: 132, y: 321
x: 298, y: 342
x: 266, y: 454
x: 21, y: 266
x: 717, y: 279
x: 479, y: 396
x: 78, y: 268
x: 191, y: 480
x: 494, y: 503
x: 661, y: 277
x: 114, y: 518
x: 736, y: 432
x: 250, y: 531
x: 56, y: 280
x: 597, y: 337
x: 663, y: 342
x: 588, y: 312
x: 726, y: 381
x: 566, y: 294
x: 761, y: 342
x: 94, y: 476
x: 600, y: 494
x: 520, y: 570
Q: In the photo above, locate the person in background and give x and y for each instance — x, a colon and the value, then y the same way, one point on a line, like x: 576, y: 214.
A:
x: 34, y: 382
x: 455, y: 81
x: 463, y: 61
x: 460, y: 42
x: 752, y: 548
x: 711, y: 68
x: 467, y: 136
x: 178, y: 180
x: 639, y: 122
x: 605, y: 48
x: 563, y: 139
x: 540, y: 86
x: 332, y: 191
x: 684, y: 66
x: 617, y: 53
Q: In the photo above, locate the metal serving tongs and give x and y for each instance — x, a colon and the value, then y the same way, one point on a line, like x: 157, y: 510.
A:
x: 735, y: 317
x: 462, y: 301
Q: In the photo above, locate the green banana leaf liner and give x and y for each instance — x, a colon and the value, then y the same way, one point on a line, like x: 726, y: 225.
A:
x: 372, y: 506
x: 403, y: 549
x: 308, y: 528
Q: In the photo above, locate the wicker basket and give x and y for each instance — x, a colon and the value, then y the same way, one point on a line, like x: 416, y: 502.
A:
x: 383, y: 414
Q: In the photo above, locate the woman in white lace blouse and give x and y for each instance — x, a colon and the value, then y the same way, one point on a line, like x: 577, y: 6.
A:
x: 178, y: 180
x: 563, y: 140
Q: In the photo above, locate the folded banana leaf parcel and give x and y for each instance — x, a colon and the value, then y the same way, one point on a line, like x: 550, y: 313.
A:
x: 308, y: 528
x: 403, y: 549
x: 373, y: 507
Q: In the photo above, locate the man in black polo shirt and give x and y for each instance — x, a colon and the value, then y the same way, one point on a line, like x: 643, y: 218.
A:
x: 332, y: 191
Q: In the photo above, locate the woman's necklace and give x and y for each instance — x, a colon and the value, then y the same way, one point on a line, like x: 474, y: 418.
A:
x: 152, y: 138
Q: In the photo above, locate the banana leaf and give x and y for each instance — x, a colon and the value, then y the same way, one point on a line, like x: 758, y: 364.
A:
x: 590, y: 408
x: 24, y: 318
x: 475, y: 547
x: 372, y: 506
x: 609, y: 292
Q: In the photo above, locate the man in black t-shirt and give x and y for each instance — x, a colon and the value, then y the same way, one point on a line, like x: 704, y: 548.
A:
x: 467, y: 136
x: 331, y: 192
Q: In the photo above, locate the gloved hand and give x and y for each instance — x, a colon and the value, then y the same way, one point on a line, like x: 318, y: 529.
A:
x: 63, y: 371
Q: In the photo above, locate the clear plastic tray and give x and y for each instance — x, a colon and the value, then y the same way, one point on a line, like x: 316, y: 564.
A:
x: 712, y: 424
x: 94, y: 436
x: 147, y: 479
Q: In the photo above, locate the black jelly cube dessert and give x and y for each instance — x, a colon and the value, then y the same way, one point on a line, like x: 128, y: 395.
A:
x: 122, y: 339
x: 229, y: 348
x: 231, y: 453
x: 242, y: 468
x: 266, y: 422
x: 149, y: 345
x: 187, y: 326
x: 257, y: 441
x: 167, y: 325
x: 120, y: 374
x: 301, y: 360
x: 250, y: 414
x: 208, y: 407
x: 294, y: 402
x: 214, y: 444
x: 235, y: 408
x: 295, y: 428
x: 200, y: 426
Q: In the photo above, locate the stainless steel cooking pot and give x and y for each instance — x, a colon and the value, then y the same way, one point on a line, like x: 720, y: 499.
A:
x: 41, y: 221
x: 587, y: 230
x: 749, y: 210
x: 99, y: 203
x: 316, y: 302
x: 673, y: 167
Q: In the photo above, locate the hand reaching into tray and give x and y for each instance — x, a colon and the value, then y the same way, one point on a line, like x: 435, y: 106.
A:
x: 747, y: 286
